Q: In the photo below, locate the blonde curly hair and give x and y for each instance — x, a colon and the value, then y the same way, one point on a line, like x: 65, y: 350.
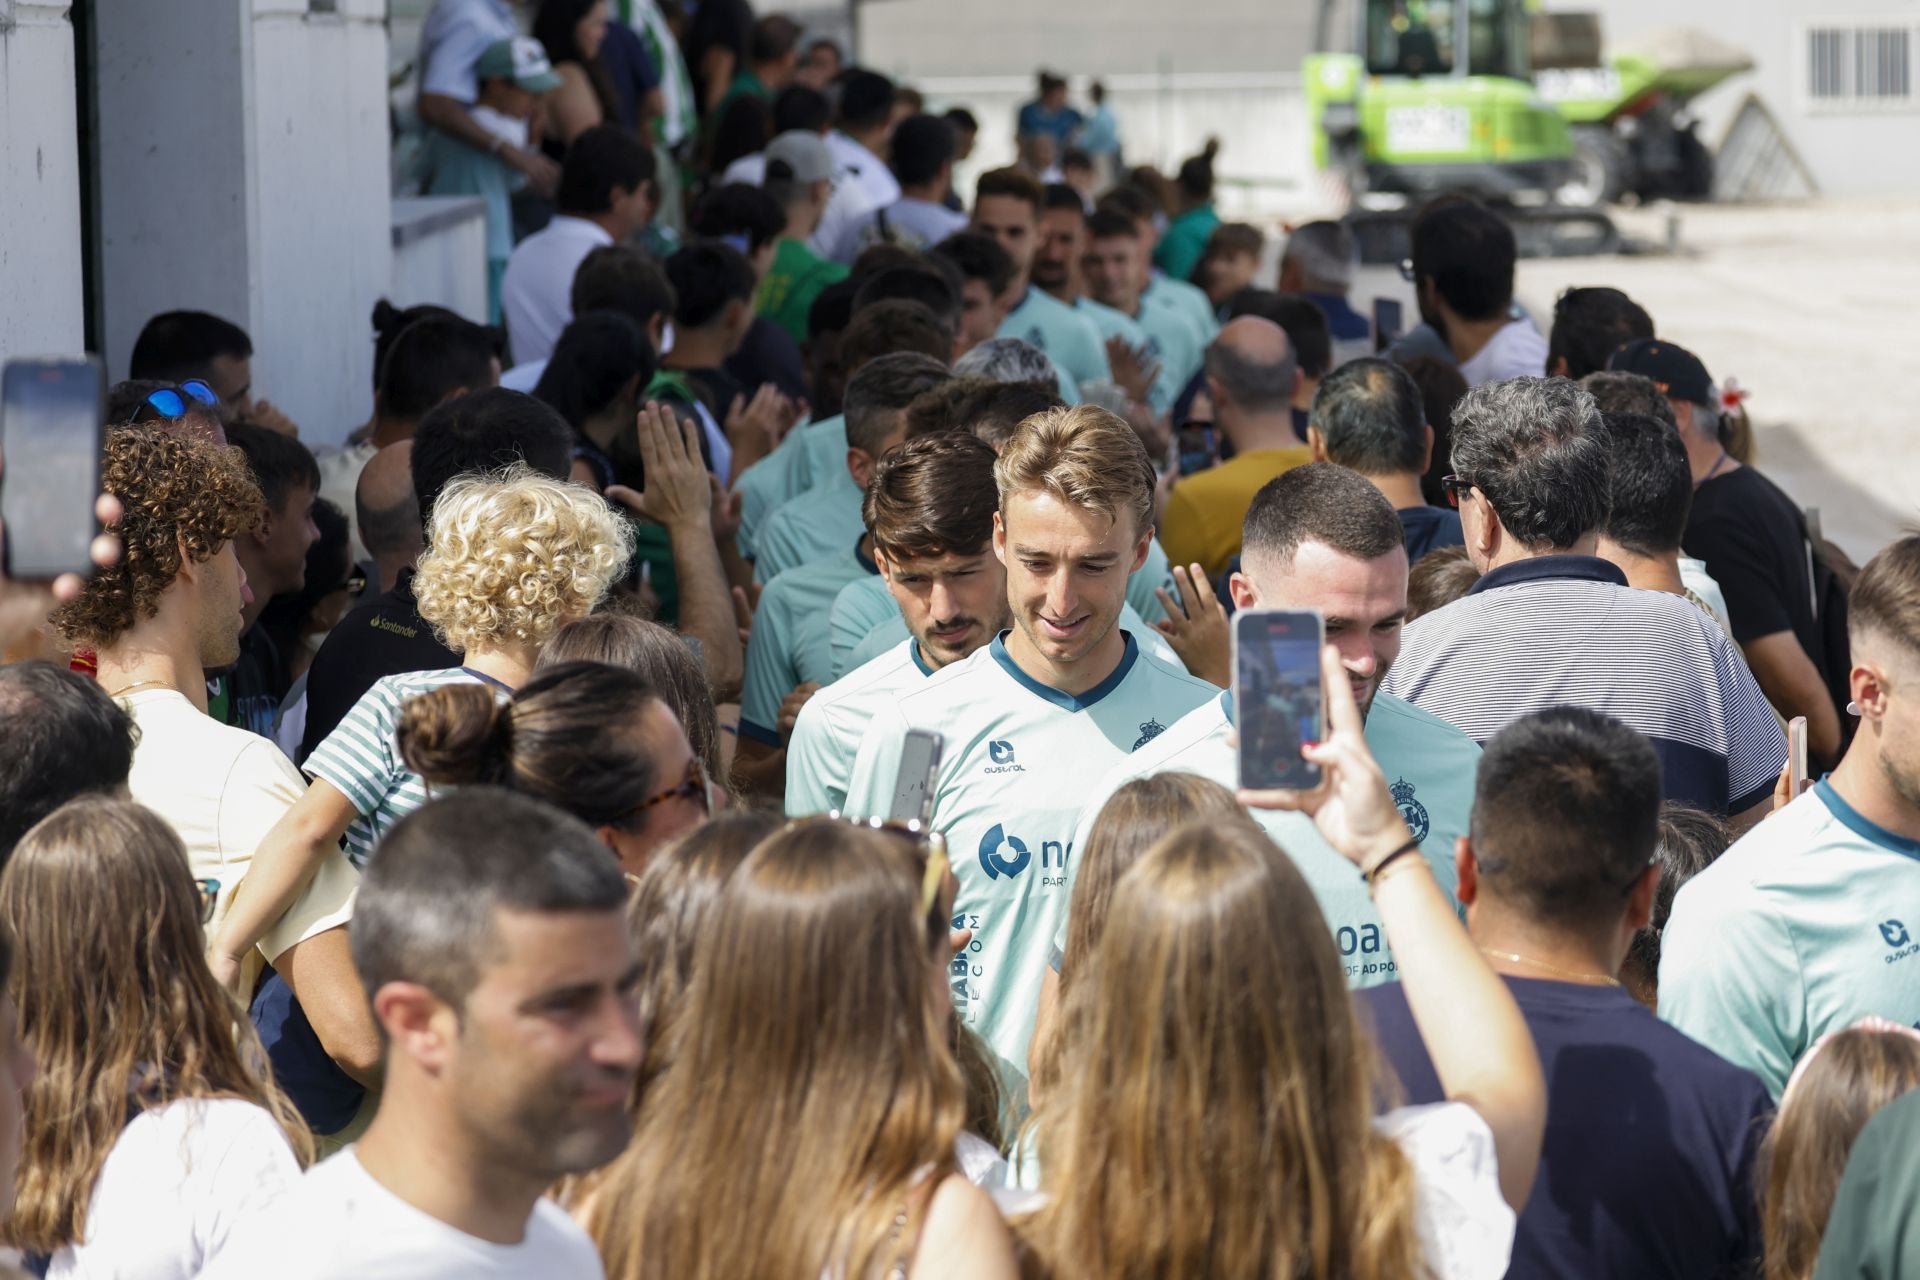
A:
x: 513, y: 554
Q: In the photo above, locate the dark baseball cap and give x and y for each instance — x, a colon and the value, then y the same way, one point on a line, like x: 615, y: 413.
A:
x: 1674, y: 369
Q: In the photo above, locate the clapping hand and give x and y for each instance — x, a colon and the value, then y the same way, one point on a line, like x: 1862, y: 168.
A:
x: 678, y: 494
x: 1196, y: 626
x: 1133, y: 369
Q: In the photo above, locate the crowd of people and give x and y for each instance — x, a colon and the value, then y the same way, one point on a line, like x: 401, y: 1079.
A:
x: 508, y: 845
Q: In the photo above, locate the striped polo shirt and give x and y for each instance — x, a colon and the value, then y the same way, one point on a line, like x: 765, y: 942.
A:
x: 361, y: 758
x: 1565, y: 630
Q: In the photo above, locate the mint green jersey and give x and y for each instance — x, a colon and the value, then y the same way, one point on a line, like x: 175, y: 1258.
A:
x: 1117, y: 324
x: 1429, y: 765
x: 1185, y: 297
x: 1808, y: 923
x: 1173, y: 340
x: 1016, y: 758
x: 782, y: 475
x: 1070, y: 339
x: 826, y: 737
x: 817, y: 523
x: 788, y: 645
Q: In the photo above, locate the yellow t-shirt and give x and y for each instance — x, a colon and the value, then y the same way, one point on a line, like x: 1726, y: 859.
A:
x: 1204, y: 512
x: 221, y: 789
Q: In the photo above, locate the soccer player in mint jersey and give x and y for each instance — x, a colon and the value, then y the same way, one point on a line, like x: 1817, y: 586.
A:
x: 1322, y: 537
x: 1811, y: 921
x: 1034, y: 718
x: 929, y: 511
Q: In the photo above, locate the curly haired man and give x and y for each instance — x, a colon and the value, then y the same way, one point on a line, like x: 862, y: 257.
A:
x: 168, y: 611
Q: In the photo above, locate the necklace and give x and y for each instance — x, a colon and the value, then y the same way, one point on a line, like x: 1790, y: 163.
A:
x: 1514, y: 958
x: 1713, y: 470
x: 139, y: 684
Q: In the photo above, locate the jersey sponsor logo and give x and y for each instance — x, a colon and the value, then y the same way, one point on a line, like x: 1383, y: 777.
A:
x: 1036, y: 338
x: 1000, y: 751
x: 1412, y: 810
x: 1894, y: 934
x: 1007, y: 855
x: 1148, y: 732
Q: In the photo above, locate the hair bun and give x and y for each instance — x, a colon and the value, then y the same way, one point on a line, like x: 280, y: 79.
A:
x: 457, y: 735
x: 1210, y: 150
x: 385, y: 317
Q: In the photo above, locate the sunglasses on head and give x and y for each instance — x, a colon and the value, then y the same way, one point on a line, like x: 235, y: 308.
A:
x: 170, y: 404
x: 932, y: 844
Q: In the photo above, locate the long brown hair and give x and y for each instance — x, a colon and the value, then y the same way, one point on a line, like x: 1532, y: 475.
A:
x: 660, y: 655
x: 116, y: 1002
x: 1133, y: 820
x: 812, y: 1094
x: 1223, y: 1080
x: 1823, y: 1111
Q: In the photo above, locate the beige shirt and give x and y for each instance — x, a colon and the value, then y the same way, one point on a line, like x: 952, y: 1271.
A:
x: 222, y: 789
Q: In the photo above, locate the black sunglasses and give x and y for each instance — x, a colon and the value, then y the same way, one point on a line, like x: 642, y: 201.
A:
x: 1455, y: 487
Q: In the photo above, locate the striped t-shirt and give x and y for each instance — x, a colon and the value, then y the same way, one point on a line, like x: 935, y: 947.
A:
x: 361, y: 758
x: 1568, y: 631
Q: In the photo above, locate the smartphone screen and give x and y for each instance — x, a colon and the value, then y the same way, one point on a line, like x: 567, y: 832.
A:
x: 913, y: 786
x: 50, y: 441
x: 1387, y: 322
x: 1199, y: 448
x: 1796, y: 757
x: 1277, y: 696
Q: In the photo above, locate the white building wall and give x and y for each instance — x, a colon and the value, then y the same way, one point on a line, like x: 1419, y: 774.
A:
x: 41, y: 308
x: 243, y: 171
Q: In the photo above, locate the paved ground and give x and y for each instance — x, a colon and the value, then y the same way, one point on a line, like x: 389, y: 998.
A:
x: 1816, y: 311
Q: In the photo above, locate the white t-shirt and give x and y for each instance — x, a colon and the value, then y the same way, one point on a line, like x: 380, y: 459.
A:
x: 222, y: 789
x: 1516, y: 350
x: 175, y: 1187
x: 339, y: 1222
x: 536, y: 293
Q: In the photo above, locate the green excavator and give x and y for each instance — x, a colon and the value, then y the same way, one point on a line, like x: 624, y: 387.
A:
x: 1489, y: 99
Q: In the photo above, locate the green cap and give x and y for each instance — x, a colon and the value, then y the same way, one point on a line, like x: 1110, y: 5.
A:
x: 520, y: 60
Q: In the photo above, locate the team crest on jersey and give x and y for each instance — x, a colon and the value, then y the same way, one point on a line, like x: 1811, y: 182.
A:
x: 1412, y: 810
x: 1148, y: 732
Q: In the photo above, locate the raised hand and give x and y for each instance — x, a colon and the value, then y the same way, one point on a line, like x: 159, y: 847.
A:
x: 1196, y: 626
x: 678, y: 494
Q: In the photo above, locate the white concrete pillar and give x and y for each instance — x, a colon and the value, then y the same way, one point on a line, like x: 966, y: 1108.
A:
x: 42, y: 311
x: 243, y: 171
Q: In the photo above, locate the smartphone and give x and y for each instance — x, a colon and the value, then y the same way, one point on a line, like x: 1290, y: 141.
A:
x: 1388, y: 320
x: 913, y: 785
x: 1277, y: 697
x: 51, y: 436
x: 1199, y: 447
x: 1796, y: 757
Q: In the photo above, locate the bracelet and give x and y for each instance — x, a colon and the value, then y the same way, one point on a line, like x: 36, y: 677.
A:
x: 1372, y: 874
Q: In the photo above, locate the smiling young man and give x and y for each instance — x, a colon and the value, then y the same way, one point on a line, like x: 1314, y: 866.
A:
x: 1037, y: 714
x: 929, y: 511
x: 1322, y: 537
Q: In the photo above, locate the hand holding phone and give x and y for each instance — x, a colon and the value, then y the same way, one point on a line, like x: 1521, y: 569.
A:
x: 1388, y: 321
x: 1277, y: 696
x: 1796, y: 757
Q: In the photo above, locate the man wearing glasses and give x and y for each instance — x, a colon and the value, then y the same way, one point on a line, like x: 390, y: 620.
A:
x: 1550, y: 623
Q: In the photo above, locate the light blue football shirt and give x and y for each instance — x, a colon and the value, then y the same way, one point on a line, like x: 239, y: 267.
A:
x: 826, y: 737
x: 1117, y: 324
x: 783, y: 475
x: 788, y: 645
x: 1017, y: 757
x: 816, y: 524
x: 1808, y: 923
x: 1175, y: 342
x: 1070, y: 339
x: 1429, y: 766
x: 866, y: 621
x: 1189, y: 299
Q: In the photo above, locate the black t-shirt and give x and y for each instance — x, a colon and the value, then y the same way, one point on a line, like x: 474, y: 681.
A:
x: 257, y: 684
x: 1754, y: 541
x: 384, y: 637
x: 1646, y: 1169
x: 769, y: 354
x: 1428, y: 529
